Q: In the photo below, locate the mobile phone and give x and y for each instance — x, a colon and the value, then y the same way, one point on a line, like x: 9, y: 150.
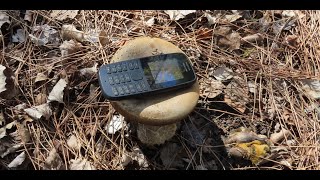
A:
x: 146, y: 75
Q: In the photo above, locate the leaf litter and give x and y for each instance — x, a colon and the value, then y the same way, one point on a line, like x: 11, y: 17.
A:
x: 282, y: 31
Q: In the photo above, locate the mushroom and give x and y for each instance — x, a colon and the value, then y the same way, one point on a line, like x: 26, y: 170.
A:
x: 155, y: 115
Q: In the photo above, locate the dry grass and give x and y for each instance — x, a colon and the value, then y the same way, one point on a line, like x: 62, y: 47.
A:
x: 85, y: 115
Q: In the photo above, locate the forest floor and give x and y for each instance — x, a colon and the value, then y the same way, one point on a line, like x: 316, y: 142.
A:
x: 258, y: 73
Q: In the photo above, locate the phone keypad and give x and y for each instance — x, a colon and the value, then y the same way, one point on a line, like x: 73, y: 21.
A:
x: 125, y: 78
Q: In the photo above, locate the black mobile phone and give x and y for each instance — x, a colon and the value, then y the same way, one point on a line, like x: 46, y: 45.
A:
x: 146, y: 75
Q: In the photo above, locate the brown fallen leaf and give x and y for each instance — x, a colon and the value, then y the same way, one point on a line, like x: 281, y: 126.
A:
x: 178, y: 14
x: 277, y: 137
x: 41, y: 98
x: 7, y: 87
x: 69, y: 32
x: 227, y: 38
x: 18, y: 160
x: 40, y: 77
x: 57, y: 92
x: 81, y: 164
x: 237, y: 94
x: 69, y: 47
x: 211, y: 88
x: 54, y: 161
x: 292, y: 40
x: 61, y: 15
x: 4, y: 18
x: 254, y: 38
x: 28, y: 16
x: 37, y: 112
x: 74, y: 143
x: 243, y: 137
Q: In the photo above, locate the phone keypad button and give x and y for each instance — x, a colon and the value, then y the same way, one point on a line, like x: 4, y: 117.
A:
x: 143, y: 85
x: 124, y: 67
x: 120, y: 90
x: 113, y: 69
x: 126, y: 89
x: 136, y: 64
x: 114, y: 90
x: 132, y: 89
x: 139, y: 87
x: 136, y: 76
x: 127, y: 77
x: 116, y: 79
x: 119, y: 69
x: 121, y: 77
x: 108, y: 70
x: 110, y: 80
x: 130, y: 65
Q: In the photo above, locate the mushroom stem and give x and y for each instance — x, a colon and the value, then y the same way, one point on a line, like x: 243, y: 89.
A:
x: 155, y: 135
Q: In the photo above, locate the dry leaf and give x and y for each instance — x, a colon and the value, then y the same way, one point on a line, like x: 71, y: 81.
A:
x: 7, y: 88
x: 20, y: 106
x: 44, y: 34
x: 137, y: 155
x: 53, y: 161
x: 252, y: 87
x: 211, y: 19
x: 3, y: 130
x: 265, y: 22
x: 288, y: 13
x: 56, y: 93
x: 169, y: 156
x: 92, y: 35
x: 89, y: 72
x: 37, y: 112
x: 227, y: 38
x: 233, y: 17
x: 254, y: 38
x: 69, y: 31
x: 73, y: 143
x: 243, y: 136
x: 223, y: 73
x: 2, y: 120
x: 283, y: 24
x: 292, y: 40
x: 115, y: 124
x: 69, y: 47
x: 81, y: 164
x: 277, y: 137
x: 61, y: 15
x: 311, y: 87
x: 237, y: 94
x: 211, y: 88
x: 150, y: 22
x: 41, y: 99
x: 253, y: 151
x: 18, y: 160
x: 4, y: 18
x: 19, y: 36
x: 7, y: 148
x: 125, y: 159
x: 28, y: 16
x: 103, y: 38
x: 40, y: 77
x: 175, y: 15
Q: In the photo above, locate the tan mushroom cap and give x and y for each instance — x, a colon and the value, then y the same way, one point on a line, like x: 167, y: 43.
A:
x: 160, y: 109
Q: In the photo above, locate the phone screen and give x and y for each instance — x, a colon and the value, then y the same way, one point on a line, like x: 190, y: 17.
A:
x: 165, y: 71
